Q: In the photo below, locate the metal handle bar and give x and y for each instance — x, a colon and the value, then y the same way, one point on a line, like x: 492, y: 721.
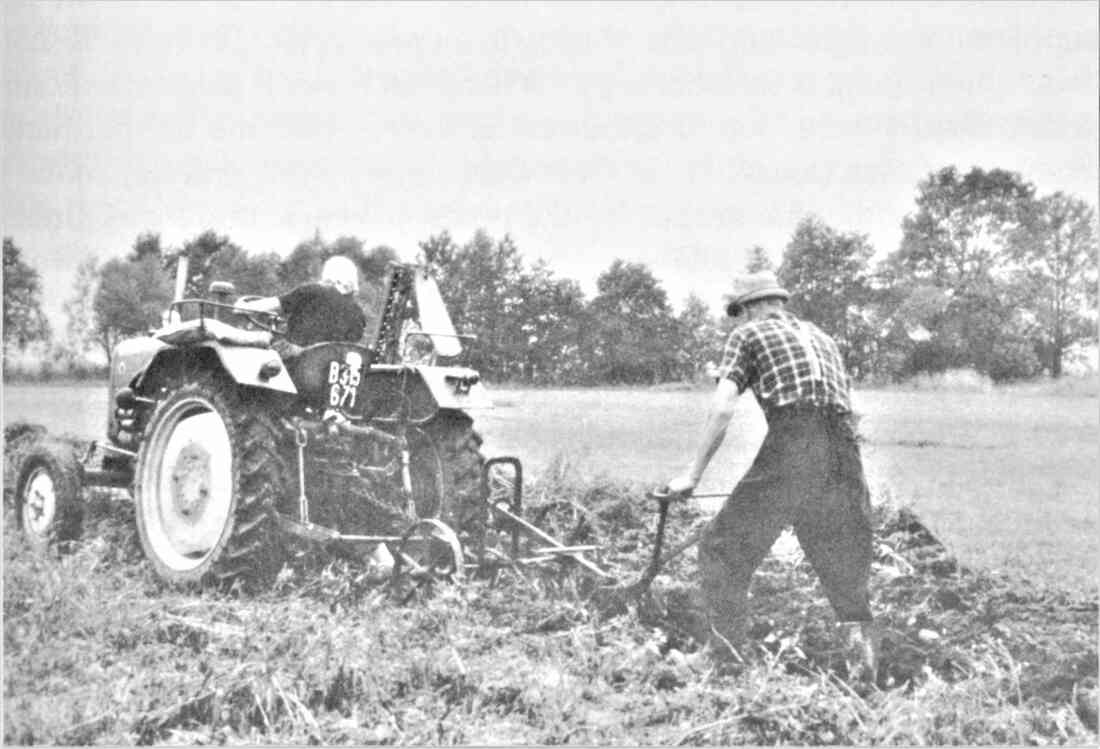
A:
x: 663, y: 493
x: 208, y: 309
x: 429, y: 334
x: 203, y: 303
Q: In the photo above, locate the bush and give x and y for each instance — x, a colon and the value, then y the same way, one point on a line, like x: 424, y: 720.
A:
x: 1013, y: 359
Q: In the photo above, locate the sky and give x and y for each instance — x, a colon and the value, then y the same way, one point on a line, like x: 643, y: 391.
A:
x: 676, y: 135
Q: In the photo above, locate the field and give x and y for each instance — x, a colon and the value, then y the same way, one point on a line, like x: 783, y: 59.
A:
x: 995, y: 647
x: 1006, y: 479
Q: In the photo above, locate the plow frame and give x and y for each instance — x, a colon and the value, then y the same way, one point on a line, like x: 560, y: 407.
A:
x: 507, y: 514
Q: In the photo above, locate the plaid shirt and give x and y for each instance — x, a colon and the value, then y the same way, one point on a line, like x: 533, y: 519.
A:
x: 786, y: 360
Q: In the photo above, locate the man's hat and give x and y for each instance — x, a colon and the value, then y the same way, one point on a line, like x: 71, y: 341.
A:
x: 752, y: 286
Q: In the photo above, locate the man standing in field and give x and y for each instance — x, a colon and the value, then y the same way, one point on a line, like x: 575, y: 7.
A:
x: 808, y: 472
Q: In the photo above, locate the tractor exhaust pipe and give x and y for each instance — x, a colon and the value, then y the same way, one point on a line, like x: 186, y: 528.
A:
x: 171, y: 316
x: 183, y: 267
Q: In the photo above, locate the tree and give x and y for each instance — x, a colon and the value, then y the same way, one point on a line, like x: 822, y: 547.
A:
x: 828, y: 273
x: 481, y: 284
x: 131, y: 296
x: 146, y: 245
x: 303, y: 264
x: 960, y: 230
x: 438, y: 253
x: 81, y: 331
x: 24, y: 321
x: 635, y: 330
x: 1055, y: 248
x: 251, y: 274
x: 985, y: 329
x: 552, y: 325
x: 530, y: 324
x: 759, y: 260
x: 214, y: 257
x: 958, y: 241
x: 700, y: 339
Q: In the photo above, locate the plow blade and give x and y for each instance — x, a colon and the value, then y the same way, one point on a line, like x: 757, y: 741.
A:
x: 553, y: 547
x: 504, y: 496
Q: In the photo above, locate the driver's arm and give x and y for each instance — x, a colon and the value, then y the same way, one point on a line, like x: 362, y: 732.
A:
x: 269, y: 304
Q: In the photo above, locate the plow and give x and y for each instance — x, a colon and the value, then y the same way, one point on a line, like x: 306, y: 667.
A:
x: 657, y: 560
x: 430, y: 551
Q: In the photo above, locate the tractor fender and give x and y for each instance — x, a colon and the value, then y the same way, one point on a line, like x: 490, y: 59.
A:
x: 455, y: 387
x: 130, y: 360
x: 422, y: 390
x: 242, y: 363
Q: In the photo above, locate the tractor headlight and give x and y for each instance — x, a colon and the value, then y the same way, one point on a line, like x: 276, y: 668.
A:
x: 462, y: 385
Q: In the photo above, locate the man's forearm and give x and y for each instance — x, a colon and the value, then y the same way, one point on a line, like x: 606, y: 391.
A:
x: 713, y: 433
x: 718, y: 420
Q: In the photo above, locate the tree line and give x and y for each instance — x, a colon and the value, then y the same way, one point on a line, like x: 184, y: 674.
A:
x: 988, y: 275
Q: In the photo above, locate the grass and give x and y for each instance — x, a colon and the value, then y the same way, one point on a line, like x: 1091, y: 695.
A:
x: 968, y: 380
x: 97, y: 651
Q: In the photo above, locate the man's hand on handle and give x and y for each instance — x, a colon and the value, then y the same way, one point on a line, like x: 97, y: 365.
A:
x: 718, y: 419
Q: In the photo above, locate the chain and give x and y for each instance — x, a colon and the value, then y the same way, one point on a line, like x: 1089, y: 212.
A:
x: 350, y: 502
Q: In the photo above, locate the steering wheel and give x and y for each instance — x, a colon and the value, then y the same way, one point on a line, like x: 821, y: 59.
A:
x: 269, y: 321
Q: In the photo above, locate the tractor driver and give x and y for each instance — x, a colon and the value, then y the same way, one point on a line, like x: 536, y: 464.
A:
x: 317, y: 312
x: 808, y: 472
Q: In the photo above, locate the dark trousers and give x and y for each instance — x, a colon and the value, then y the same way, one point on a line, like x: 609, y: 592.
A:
x: 808, y: 474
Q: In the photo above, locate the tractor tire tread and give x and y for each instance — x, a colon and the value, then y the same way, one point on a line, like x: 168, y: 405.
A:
x: 251, y: 554
x: 459, y: 446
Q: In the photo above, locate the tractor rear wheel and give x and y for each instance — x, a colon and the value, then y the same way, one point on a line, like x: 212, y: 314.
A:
x: 49, y: 493
x: 459, y: 447
x: 208, y: 478
x: 426, y: 474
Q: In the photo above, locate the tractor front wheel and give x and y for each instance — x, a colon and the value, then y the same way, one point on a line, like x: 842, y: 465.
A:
x: 48, y: 493
x: 208, y: 477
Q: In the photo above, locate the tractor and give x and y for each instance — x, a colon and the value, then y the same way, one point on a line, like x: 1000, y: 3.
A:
x: 230, y: 452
